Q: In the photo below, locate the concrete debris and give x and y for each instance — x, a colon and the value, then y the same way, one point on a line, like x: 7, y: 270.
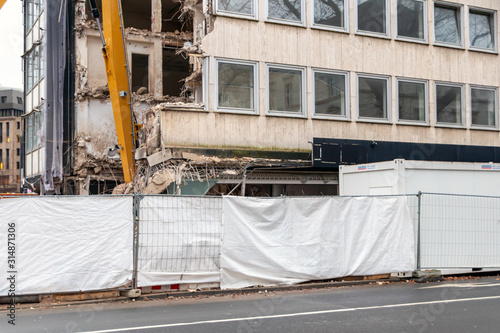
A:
x: 101, y: 92
x: 160, y: 181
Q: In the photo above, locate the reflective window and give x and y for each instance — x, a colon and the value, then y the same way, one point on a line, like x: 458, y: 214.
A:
x: 330, y: 13
x: 373, y: 97
x: 330, y: 94
x: 449, y: 104
x: 412, y: 103
x: 236, y: 85
x: 372, y: 16
x: 447, y: 24
x: 238, y: 7
x: 289, y: 10
x: 481, y: 30
x: 285, y: 87
x: 411, y: 19
x: 483, y: 107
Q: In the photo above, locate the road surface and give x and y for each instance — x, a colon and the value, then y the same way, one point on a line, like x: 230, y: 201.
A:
x: 455, y: 306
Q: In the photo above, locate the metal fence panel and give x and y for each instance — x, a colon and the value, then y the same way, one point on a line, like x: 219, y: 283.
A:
x: 179, y: 240
x: 459, y: 231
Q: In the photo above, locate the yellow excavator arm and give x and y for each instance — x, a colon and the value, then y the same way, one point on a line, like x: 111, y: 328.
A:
x: 115, y: 59
x: 2, y: 2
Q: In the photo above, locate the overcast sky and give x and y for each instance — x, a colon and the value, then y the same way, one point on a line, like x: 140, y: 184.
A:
x: 11, y: 41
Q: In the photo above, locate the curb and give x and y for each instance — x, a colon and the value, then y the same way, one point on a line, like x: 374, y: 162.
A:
x: 256, y: 290
x: 190, y: 294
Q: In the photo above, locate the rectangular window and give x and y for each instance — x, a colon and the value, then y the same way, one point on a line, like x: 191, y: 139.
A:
x: 483, y: 107
x: 482, y: 29
x: 447, y: 24
x: 331, y: 14
x: 243, y: 8
x: 373, y: 97
x: 4, y: 99
x: 330, y: 94
x: 373, y: 16
x: 236, y: 86
x: 1, y: 159
x: 449, y: 102
x: 412, y: 101
x: 411, y: 16
x: 140, y: 72
x: 1, y: 132
x: 19, y: 100
x: 18, y: 125
x: 285, y: 86
x: 7, y: 159
x: 18, y: 151
x: 290, y: 11
x: 29, y: 140
x: 7, y: 131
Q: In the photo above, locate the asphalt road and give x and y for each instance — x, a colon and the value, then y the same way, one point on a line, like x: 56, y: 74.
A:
x: 457, y: 306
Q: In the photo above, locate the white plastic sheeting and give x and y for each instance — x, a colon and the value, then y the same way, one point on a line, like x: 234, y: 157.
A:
x: 179, y: 240
x: 290, y: 240
x: 67, y: 244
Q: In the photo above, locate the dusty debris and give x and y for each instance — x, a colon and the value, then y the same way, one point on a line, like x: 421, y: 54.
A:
x: 101, y: 92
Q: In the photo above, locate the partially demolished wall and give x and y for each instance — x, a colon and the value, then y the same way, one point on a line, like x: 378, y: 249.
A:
x: 169, y: 48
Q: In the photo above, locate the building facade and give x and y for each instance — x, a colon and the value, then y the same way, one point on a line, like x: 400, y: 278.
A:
x: 233, y: 93
x: 11, y: 110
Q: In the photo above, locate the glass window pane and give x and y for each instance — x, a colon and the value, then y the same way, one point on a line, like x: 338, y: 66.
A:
x: 285, y: 90
x: 285, y: 9
x: 372, y: 15
x: 483, y: 107
x: 447, y: 25
x: 372, y: 98
x: 411, y: 19
x: 449, y: 104
x: 481, y: 31
x: 329, y: 91
x: 35, y: 130
x: 411, y: 101
x: 236, y: 86
x: 236, y: 6
x: 329, y: 12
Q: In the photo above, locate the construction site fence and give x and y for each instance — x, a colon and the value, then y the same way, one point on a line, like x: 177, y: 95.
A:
x: 458, y: 231
x: 144, y: 240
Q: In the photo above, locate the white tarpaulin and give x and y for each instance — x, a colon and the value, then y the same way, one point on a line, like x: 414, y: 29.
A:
x: 66, y: 244
x: 290, y: 240
x: 179, y: 240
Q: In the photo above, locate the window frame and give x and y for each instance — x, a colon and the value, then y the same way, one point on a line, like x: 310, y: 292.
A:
x: 254, y: 16
x: 301, y: 23
x: 462, y: 101
x: 388, y: 28
x: 425, y: 122
x: 425, y: 40
x: 345, y: 29
x: 388, y: 82
x: 303, y: 104
x: 347, y: 102
x: 495, y: 93
x: 493, y: 18
x: 455, y: 6
x: 255, y: 66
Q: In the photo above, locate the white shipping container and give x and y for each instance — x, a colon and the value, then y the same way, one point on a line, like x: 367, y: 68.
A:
x: 409, y: 177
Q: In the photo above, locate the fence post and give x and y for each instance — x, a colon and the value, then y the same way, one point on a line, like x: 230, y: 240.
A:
x: 419, y: 214
x: 137, y: 202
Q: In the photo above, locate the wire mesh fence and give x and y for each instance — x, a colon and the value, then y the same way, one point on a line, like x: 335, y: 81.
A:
x: 178, y: 235
x: 459, y: 231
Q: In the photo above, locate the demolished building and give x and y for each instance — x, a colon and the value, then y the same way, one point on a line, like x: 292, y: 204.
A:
x: 232, y: 94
